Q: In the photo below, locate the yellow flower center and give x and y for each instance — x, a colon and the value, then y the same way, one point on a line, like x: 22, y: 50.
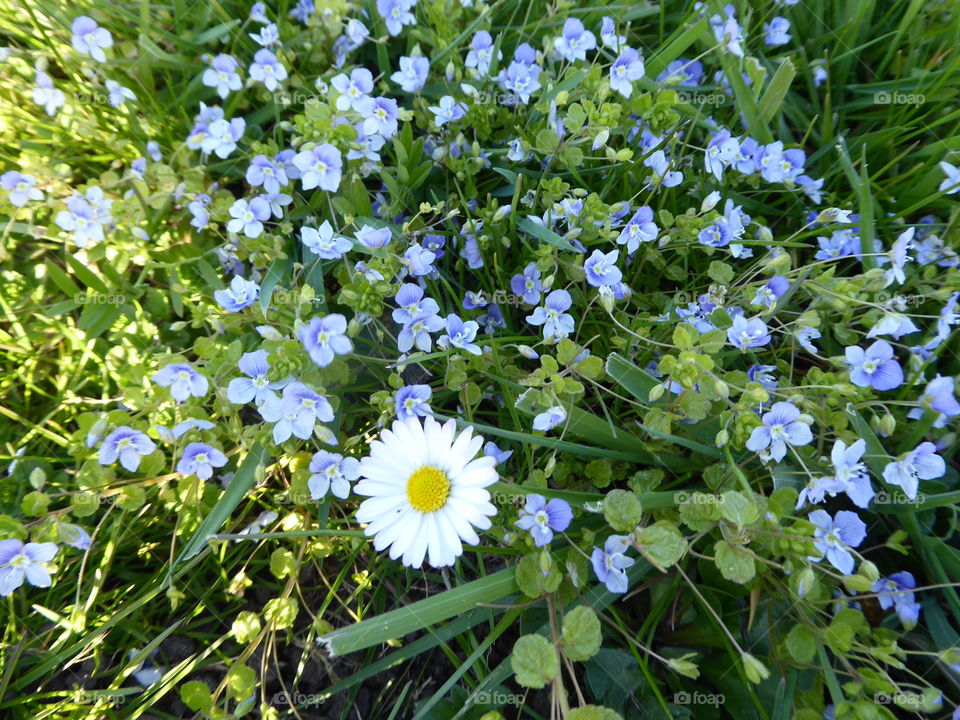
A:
x: 427, y: 489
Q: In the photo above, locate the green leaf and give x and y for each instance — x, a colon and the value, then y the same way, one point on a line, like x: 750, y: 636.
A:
x: 738, y: 508
x: 241, y: 483
x: 661, y: 544
x: 801, y: 644
x: 531, y: 578
x: 622, y: 510
x: 545, y: 234
x: 196, y: 696
x: 421, y: 614
x: 755, y: 670
x: 735, y: 565
x: 535, y: 661
x: 241, y: 682
x: 246, y: 627
x: 281, y: 611
x: 593, y: 712
x: 581, y: 634
x: 776, y: 91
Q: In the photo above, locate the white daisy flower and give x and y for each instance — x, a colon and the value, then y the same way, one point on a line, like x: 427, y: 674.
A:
x: 426, y: 492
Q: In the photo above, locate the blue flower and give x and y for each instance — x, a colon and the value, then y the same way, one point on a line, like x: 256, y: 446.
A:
x: 128, y: 445
x: 721, y: 152
x: 296, y: 413
x: 575, y: 41
x: 528, y: 284
x: 256, y: 386
x: 763, y: 374
x: 780, y: 428
x: 353, y: 90
x: 222, y: 75
x: 19, y: 561
x: 744, y: 334
x: 491, y: 450
x: 544, y: 518
x: 374, y: 238
x: 460, y: 334
x: 21, y: 188
x: 895, y: 591
x: 380, y: 115
x: 332, y: 472
x: 875, y: 367
x: 241, y: 294
x: 412, y: 303
x: 73, y: 535
x: 772, y: 291
x: 268, y: 35
x: 625, y: 70
x: 323, y: 338
x: 412, y: 74
x: 320, y: 167
x: 412, y: 401
x: 601, y: 270
x: 834, y: 537
x: 447, y: 110
x: 640, y: 228
x: 727, y: 32
x: 86, y: 216
x: 182, y: 380
x: 418, y: 260
x: 220, y: 136
x: 521, y: 79
x: 417, y: 332
x: 609, y: 36
x: 951, y: 184
x: 90, y: 39
x: 117, y: 94
x: 611, y: 563
x: 324, y: 242
x: 550, y: 418
x: 777, y: 32
x: 396, y: 14
x: 267, y: 69
x: 45, y: 94
x: 182, y: 428
x: 682, y: 72
x: 661, y: 174
x: 557, y: 323
x: 938, y: 396
x: 200, y: 459
x: 921, y: 463
x: 850, y: 477
x: 481, y: 53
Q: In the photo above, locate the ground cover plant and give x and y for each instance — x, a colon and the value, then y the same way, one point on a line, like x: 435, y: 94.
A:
x: 452, y: 359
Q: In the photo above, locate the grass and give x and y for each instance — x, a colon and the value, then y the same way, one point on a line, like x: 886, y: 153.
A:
x: 341, y: 630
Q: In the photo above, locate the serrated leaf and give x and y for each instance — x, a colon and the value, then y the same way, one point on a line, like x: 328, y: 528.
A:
x: 661, y: 544
x: 535, y: 661
x: 581, y: 634
x: 734, y: 564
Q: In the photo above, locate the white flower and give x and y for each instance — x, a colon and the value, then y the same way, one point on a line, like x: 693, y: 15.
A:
x: 426, y: 491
